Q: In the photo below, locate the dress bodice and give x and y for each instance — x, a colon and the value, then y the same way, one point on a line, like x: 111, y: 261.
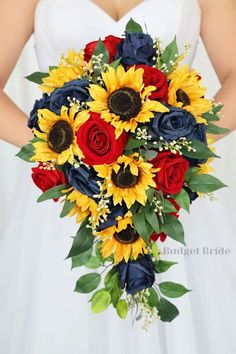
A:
x: 61, y: 24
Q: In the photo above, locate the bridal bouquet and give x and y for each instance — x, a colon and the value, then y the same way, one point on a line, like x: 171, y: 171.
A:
x: 122, y: 141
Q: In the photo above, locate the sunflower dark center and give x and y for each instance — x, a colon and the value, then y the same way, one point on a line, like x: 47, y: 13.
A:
x: 129, y: 235
x: 182, y: 96
x: 124, y: 178
x: 125, y: 103
x: 60, y: 136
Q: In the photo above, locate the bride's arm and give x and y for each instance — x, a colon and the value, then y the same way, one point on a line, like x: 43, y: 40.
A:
x: 16, y: 26
x: 219, y: 35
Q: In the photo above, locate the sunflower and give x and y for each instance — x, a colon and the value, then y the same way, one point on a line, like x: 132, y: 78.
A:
x: 84, y: 206
x: 122, y: 240
x: 71, y: 67
x: 128, y: 179
x: 124, y: 102
x: 58, y: 136
x: 185, y: 91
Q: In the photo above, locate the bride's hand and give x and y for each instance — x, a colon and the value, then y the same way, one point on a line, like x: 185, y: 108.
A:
x: 16, y: 26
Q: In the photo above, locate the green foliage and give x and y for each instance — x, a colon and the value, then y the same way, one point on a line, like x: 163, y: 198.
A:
x: 100, y: 301
x: 133, y: 144
x: 183, y: 200
x: 163, y: 266
x: 37, y: 77
x: 133, y: 27
x: 67, y: 207
x: 115, y: 63
x: 214, y: 129
x: 26, y: 153
x: 88, y: 283
x: 82, y: 259
x: 190, y: 172
x: 82, y: 242
x: 205, y: 183
x: 100, y: 49
x: 168, y: 207
x: 202, y: 151
x: 152, y: 219
x: 172, y: 290
x: 54, y: 192
x: 173, y: 228
x: 166, y: 310
x: 141, y: 225
x: 152, y: 297
x: 122, y: 308
x: 112, y: 284
x: 169, y: 54
x: 93, y: 263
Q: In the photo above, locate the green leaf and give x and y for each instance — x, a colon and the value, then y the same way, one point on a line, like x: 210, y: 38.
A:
x: 166, y: 310
x: 109, y: 278
x: 134, y: 143
x: 168, y: 207
x: 214, y: 129
x: 54, y: 192
x: 82, y: 241
x: 202, y: 151
x: 152, y: 219
x: 163, y: 266
x: 100, y: 49
x: 205, y: 183
x: 183, y: 200
x: 141, y: 225
x: 170, y: 53
x: 172, y: 290
x: 152, y: 297
x: 82, y: 259
x: 88, y: 283
x: 173, y: 228
x: 122, y: 308
x: 67, y: 207
x: 190, y: 172
x: 150, y: 154
x: 100, y: 301
x: 37, y: 77
x: 115, y: 63
x: 93, y: 263
x: 155, y: 251
x: 134, y: 208
x: 52, y: 68
x: 150, y: 194
x: 133, y: 27
x: 26, y: 153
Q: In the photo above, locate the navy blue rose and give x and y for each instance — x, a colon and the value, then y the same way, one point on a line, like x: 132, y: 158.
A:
x: 115, y: 211
x: 136, y: 275
x: 172, y: 125
x: 83, y: 179
x: 77, y: 89
x: 44, y: 102
x: 192, y: 195
x: 137, y: 48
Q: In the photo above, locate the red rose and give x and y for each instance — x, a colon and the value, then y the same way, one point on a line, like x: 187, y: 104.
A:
x: 96, y: 138
x: 110, y: 43
x: 155, y: 77
x: 45, y: 178
x: 173, y: 167
x: 162, y: 237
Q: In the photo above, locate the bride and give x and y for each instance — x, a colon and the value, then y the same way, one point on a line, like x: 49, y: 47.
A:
x: 40, y: 313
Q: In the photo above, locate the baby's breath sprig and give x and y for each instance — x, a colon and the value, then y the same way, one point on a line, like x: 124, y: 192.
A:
x: 159, y: 52
x: 144, y: 311
x: 142, y: 134
x: 77, y: 105
x: 176, y: 146
x: 49, y: 166
x: 103, y: 204
x: 97, y: 61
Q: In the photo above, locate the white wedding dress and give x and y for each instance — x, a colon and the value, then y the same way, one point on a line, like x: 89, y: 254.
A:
x: 40, y: 313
